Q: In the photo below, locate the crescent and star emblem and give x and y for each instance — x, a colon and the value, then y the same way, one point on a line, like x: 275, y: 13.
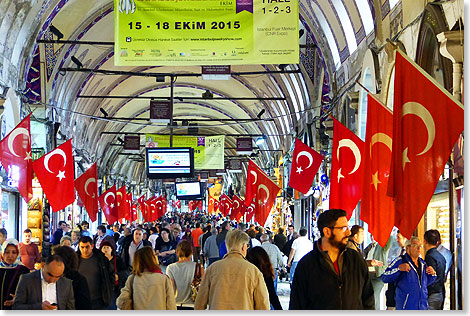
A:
x: 90, y: 180
x: 357, y: 155
x: 238, y: 204
x: 387, y: 141
x: 119, y: 201
x: 106, y: 199
x: 58, y: 151
x: 265, y: 188
x: 420, y: 111
x: 11, y: 139
x: 310, y: 160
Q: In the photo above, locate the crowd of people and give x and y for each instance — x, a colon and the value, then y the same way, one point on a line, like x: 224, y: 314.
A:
x: 195, y: 261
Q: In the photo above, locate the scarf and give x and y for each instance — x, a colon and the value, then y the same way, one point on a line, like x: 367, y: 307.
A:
x: 3, y: 264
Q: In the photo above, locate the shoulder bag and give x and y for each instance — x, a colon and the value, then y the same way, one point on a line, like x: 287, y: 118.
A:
x: 196, y: 282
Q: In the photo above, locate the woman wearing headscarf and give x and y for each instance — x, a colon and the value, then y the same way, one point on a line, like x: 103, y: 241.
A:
x: 147, y: 288
x: 117, y: 265
x: 10, y: 270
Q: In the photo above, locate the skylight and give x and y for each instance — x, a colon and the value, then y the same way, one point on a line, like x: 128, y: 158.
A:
x: 366, y: 15
x: 346, y: 24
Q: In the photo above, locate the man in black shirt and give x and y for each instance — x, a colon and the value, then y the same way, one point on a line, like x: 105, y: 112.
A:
x: 433, y: 258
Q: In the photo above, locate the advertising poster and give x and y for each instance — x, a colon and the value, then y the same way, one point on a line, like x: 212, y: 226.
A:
x: 208, y: 150
x: 206, y: 32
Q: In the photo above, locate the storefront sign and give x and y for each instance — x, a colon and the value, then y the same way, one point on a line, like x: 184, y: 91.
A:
x: 208, y: 150
x: 206, y: 32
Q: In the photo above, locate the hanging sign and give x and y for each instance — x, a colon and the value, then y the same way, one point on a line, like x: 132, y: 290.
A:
x: 208, y: 150
x: 206, y: 32
x: 161, y: 111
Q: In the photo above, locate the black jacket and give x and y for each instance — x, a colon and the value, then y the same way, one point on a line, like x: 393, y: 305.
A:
x: 125, y: 251
x: 438, y: 262
x: 316, y: 284
x: 80, y: 290
x: 107, y: 276
x: 280, y: 240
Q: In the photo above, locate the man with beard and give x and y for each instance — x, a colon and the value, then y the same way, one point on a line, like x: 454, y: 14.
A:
x: 332, y: 276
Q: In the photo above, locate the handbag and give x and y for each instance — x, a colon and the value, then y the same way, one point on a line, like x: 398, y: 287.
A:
x: 196, y: 282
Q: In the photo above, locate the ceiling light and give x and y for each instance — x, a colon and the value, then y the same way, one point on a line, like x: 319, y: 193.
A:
x: 56, y: 32
x: 282, y: 67
x: 104, y: 112
x: 207, y: 95
x: 261, y: 113
x: 77, y: 62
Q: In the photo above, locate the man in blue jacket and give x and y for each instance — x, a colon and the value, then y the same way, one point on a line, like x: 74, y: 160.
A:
x: 411, y: 276
x: 433, y: 258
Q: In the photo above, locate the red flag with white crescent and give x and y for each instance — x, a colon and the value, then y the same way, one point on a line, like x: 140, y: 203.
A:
x: 376, y: 207
x: 305, y: 164
x: 55, y: 173
x: 121, y: 202
x: 266, y: 194
x: 252, y: 175
x: 225, y: 204
x: 87, y: 189
x: 210, y: 207
x: 346, y: 169
x: 427, y: 121
x: 216, y: 206
x: 108, y: 205
x: 250, y: 211
x: 129, y: 200
x: 238, y: 208
x: 15, y: 156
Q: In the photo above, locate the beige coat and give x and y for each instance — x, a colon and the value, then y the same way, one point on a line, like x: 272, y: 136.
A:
x: 233, y: 283
x: 150, y: 291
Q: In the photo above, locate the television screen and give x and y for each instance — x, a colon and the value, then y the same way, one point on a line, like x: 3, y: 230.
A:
x: 189, y: 190
x: 169, y: 163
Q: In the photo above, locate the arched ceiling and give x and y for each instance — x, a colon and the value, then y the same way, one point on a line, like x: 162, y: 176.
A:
x: 336, y: 27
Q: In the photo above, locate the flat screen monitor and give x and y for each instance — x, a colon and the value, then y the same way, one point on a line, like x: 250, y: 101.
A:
x: 189, y: 190
x: 169, y: 162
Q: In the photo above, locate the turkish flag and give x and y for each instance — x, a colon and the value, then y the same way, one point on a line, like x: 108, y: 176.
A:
x: 55, y: 172
x: 121, y: 202
x: 178, y: 204
x: 250, y: 211
x: 108, y: 205
x: 346, y: 169
x: 305, y: 164
x: 251, y: 181
x: 225, y: 204
x: 153, y: 210
x: 238, y: 209
x: 216, y: 206
x: 376, y: 207
x: 427, y: 122
x: 164, y: 208
x: 159, y: 207
x: 129, y: 200
x: 87, y: 190
x: 141, y: 200
x: 134, y: 213
x: 15, y: 156
x: 210, y: 207
x: 265, y: 197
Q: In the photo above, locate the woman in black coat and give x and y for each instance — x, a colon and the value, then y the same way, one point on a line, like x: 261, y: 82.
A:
x: 79, y: 282
x: 116, y: 264
x: 259, y: 257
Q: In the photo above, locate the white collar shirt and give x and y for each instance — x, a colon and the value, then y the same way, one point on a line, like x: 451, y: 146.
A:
x: 49, y: 290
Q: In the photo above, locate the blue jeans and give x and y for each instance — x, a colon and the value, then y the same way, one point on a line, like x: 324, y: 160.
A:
x: 292, y: 271
x: 275, y: 279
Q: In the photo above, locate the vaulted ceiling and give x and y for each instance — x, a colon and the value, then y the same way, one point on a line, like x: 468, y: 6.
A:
x: 333, y: 29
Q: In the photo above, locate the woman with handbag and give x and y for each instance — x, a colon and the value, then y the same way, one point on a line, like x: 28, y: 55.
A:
x: 121, y: 273
x: 147, y: 288
x: 165, y: 249
x: 185, y: 275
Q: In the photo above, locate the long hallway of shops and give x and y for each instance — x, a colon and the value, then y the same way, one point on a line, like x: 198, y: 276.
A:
x: 256, y: 115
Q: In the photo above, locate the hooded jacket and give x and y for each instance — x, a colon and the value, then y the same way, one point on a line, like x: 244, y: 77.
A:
x: 316, y: 284
x: 411, y: 293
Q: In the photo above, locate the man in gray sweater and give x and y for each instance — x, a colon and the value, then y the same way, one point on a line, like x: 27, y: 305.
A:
x: 211, y: 250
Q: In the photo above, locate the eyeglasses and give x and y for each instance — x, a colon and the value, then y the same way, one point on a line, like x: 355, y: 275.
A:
x: 343, y: 228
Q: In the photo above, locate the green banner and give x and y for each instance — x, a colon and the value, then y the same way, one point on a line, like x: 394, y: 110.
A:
x: 208, y: 150
x: 206, y: 32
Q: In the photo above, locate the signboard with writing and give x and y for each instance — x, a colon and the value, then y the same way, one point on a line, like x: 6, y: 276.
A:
x: 161, y: 111
x: 206, y: 32
x: 131, y: 142
x: 208, y: 150
x: 244, y: 145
